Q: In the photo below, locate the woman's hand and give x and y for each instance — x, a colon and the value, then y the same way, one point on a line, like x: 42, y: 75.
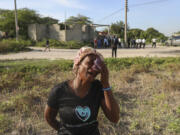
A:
x: 109, y: 105
x: 104, y: 75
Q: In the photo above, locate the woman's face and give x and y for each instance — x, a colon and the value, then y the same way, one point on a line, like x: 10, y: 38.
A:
x: 85, y: 71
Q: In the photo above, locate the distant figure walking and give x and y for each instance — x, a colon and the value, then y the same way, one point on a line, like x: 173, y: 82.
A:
x: 95, y: 43
x: 114, y: 46
x: 154, y: 43
x: 144, y: 42
x: 47, y: 45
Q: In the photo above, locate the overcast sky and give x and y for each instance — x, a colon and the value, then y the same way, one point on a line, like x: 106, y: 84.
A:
x: 163, y: 15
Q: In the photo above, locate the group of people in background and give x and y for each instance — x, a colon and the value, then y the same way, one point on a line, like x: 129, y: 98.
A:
x: 108, y: 42
x: 137, y: 43
x: 114, y: 42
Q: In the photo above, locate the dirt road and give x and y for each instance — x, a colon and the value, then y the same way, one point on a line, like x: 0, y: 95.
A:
x: 38, y: 53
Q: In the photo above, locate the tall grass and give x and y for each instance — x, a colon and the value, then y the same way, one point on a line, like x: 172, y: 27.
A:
x: 11, y: 45
x: 147, y: 90
x: 64, y: 45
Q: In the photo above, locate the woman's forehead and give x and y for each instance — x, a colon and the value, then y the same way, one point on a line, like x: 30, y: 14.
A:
x: 90, y: 57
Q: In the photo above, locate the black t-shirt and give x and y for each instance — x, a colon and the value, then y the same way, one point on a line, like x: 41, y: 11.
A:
x: 78, y: 115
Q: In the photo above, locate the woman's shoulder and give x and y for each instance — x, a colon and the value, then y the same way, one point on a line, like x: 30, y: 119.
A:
x: 60, y: 87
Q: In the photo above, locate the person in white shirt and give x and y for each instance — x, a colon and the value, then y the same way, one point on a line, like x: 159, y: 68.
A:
x: 144, y: 43
x: 154, y: 43
x: 119, y: 42
x: 137, y: 42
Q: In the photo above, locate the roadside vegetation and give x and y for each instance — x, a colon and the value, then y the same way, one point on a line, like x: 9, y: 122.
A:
x: 63, y: 45
x: 147, y: 89
x: 11, y: 45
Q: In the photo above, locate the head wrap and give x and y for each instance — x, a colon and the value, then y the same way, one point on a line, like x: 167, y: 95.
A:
x: 82, y: 53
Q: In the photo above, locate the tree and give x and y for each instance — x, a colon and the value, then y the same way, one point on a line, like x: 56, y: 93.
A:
x: 153, y: 33
x: 136, y: 33
x: 178, y: 32
x: 25, y: 17
x: 118, y: 28
x: 80, y: 19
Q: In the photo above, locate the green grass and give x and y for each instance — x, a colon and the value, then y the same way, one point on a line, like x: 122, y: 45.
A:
x: 11, y: 45
x: 147, y: 90
x: 62, y: 44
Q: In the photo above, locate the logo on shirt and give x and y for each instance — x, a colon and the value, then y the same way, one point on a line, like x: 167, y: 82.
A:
x: 83, y: 113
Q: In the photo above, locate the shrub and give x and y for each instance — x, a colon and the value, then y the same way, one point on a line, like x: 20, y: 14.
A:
x: 62, y: 44
x: 11, y: 45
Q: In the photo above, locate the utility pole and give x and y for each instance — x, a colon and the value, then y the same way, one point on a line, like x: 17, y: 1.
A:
x: 65, y: 21
x: 125, y: 27
x: 16, y: 21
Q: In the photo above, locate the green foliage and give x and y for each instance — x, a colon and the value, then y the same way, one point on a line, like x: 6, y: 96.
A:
x: 5, y: 123
x: 36, y: 66
x: 136, y: 33
x: 178, y: 32
x: 175, y: 125
x: 80, y: 19
x: 153, y: 33
x: 11, y: 45
x: 117, y: 28
x: 25, y: 17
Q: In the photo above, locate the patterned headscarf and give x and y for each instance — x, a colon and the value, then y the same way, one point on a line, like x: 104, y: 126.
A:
x: 82, y: 53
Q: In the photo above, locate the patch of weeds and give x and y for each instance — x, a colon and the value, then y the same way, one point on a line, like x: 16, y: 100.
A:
x: 175, y: 125
x: 22, y: 103
x: 139, y: 69
x: 5, y: 123
x: 178, y: 111
x: 134, y: 126
x: 171, y: 85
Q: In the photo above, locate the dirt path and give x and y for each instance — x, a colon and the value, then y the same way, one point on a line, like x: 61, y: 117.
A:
x: 38, y: 53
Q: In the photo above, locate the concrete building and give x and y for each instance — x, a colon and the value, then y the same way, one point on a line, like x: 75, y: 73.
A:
x: 74, y: 32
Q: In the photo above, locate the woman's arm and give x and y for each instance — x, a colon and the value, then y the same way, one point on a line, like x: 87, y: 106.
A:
x: 108, y: 104
x: 50, y: 116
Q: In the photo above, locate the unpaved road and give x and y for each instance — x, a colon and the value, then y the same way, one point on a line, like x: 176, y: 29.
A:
x: 38, y: 53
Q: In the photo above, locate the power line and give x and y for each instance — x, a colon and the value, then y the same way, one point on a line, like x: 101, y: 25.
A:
x: 132, y: 6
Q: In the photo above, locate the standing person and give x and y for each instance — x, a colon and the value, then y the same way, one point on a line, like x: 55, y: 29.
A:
x: 105, y: 42
x: 114, y: 46
x: 99, y: 43
x: 144, y: 42
x: 140, y: 43
x: 154, y: 43
x: 77, y: 101
x: 47, y: 45
x: 109, y: 41
x: 133, y: 43
x: 95, y: 42
x: 119, y: 42
x: 137, y: 43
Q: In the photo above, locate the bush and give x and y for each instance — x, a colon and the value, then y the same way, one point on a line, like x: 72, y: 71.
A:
x: 11, y: 45
x: 62, y: 44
